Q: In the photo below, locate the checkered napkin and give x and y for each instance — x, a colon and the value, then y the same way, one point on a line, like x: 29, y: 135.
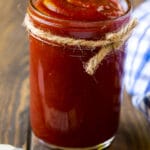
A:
x: 137, y: 63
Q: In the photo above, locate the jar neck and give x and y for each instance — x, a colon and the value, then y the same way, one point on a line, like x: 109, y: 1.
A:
x: 77, y: 29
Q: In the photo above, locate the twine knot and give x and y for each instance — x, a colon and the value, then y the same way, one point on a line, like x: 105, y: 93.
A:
x: 112, y: 41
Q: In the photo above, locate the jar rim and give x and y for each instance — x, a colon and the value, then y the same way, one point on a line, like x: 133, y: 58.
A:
x: 75, y: 23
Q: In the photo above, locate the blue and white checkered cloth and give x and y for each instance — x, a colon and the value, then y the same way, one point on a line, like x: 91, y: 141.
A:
x: 137, y: 63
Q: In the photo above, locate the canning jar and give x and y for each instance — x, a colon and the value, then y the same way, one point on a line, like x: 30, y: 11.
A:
x: 75, y: 104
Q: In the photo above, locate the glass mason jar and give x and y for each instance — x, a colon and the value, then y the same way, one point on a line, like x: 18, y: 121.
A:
x: 70, y: 108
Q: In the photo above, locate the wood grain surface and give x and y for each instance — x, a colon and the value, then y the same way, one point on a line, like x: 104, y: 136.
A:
x: 134, y: 130
x: 14, y: 97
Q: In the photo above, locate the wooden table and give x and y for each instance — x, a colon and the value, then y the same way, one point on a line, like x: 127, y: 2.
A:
x: 134, y: 130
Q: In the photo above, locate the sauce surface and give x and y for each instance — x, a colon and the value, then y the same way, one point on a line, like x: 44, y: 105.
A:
x: 84, y: 10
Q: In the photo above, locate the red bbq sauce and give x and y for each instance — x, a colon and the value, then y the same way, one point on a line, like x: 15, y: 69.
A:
x: 83, y: 9
x: 68, y: 107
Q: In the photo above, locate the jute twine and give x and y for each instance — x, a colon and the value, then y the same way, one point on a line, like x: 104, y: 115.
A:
x: 112, y: 41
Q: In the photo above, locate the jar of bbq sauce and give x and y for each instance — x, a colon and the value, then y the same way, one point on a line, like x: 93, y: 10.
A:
x: 70, y: 108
